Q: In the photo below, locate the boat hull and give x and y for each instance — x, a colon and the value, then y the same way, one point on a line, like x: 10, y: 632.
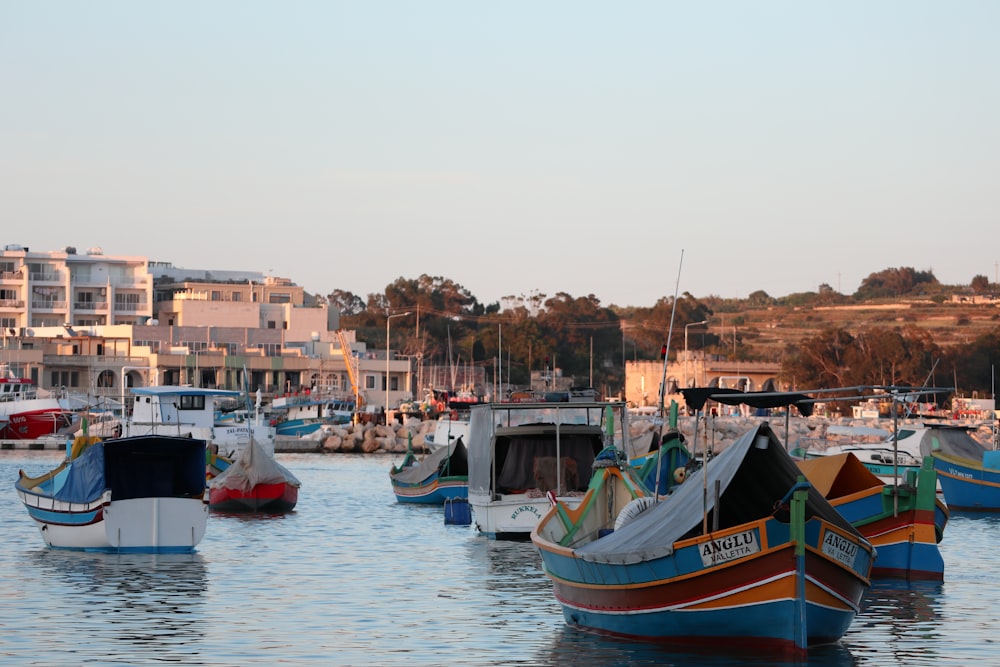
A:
x: 145, y: 525
x: 512, y: 517
x: 297, y: 428
x: 264, y: 498
x: 967, y: 485
x: 906, y: 539
x: 432, y: 492
x: 34, y: 424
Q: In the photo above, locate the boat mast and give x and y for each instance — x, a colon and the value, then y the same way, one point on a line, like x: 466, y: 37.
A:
x: 666, y: 355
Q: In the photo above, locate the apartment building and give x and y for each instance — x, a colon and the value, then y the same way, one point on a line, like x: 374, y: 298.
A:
x: 63, y: 287
x: 94, y: 324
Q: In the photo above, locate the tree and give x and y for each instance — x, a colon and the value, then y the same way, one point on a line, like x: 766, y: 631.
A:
x: 346, y: 302
x: 894, y: 283
x: 759, y: 299
x: 980, y: 284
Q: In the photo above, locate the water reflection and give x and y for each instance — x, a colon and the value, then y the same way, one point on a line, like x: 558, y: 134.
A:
x: 139, y: 602
x: 575, y: 648
x: 900, y: 619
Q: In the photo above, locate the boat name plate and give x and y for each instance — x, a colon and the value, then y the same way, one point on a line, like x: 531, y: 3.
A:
x: 729, y: 548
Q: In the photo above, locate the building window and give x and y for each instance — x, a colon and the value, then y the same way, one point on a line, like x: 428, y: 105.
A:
x: 153, y: 345
x: 369, y: 382
x: 271, y: 324
x: 216, y: 295
x: 237, y: 296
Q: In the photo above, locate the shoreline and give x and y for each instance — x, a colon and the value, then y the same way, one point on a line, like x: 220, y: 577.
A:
x: 714, y: 433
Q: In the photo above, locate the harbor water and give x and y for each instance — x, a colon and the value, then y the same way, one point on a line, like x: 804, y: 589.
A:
x: 353, y: 578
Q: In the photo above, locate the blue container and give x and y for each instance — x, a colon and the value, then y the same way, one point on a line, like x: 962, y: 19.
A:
x: 457, y: 512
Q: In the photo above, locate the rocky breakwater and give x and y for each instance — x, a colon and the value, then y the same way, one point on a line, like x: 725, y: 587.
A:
x: 815, y: 433
x: 702, y: 433
x: 362, y: 438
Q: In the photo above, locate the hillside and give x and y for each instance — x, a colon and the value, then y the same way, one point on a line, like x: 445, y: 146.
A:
x: 769, y: 330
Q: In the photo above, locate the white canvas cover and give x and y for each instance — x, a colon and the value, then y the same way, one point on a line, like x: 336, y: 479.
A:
x: 253, y: 466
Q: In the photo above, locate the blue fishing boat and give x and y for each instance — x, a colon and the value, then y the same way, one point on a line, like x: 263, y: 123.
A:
x: 441, y: 475
x: 137, y: 494
x: 304, y: 414
x: 967, y: 472
x: 744, y: 552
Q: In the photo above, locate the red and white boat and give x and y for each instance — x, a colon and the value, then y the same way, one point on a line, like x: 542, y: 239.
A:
x: 253, y: 482
x: 24, y: 415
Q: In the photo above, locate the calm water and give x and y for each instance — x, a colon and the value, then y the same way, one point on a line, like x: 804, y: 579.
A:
x: 352, y: 578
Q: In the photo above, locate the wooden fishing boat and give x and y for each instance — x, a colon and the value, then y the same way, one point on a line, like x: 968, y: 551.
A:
x: 904, y: 522
x: 744, y: 551
x: 441, y: 475
x: 142, y: 493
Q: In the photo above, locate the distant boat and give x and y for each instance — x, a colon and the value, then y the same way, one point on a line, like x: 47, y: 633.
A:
x: 24, y: 414
x: 253, y: 482
x: 967, y: 472
x: 742, y: 552
x: 904, y: 522
x: 446, y: 431
x: 305, y: 414
x: 441, y: 475
x: 143, y: 493
x: 518, y: 452
x: 190, y: 411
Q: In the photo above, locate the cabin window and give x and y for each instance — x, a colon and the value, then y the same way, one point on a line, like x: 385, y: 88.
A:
x: 191, y: 402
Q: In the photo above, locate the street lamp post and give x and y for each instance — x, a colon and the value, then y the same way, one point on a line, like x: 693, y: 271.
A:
x: 686, y: 359
x: 387, y: 320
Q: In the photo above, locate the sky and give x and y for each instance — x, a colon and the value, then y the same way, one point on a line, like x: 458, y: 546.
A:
x: 627, y: 150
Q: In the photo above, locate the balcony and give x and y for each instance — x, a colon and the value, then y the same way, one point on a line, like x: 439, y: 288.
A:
x: 128, y: 307
x: 90, y: 306
x: 11, y: 276
x: 47, y: 304
x: 8, y: 304
x: 47, y: 277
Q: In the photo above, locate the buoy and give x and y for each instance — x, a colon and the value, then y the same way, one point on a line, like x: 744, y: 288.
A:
x: 680, y: 474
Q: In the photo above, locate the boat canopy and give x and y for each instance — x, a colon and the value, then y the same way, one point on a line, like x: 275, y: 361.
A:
x: 839, y: 475
x: 137, y: 467
x: 754, y: 474
x: 952, y: 440
x: 577, y: 424
x: 696, y: 397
